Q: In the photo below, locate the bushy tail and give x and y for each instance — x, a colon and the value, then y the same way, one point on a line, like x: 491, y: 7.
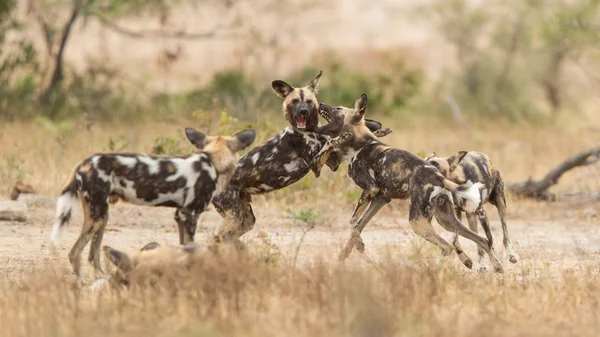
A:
x: 470, y: 192
x: 64, y: 208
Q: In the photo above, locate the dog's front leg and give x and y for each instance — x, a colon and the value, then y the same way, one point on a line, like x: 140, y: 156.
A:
x: 366, y: 197
x: 355, y: 239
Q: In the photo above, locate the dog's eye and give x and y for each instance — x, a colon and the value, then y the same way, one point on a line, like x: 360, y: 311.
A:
x: 435, y: 163
x: 295, y: 101
x: 308, y: 101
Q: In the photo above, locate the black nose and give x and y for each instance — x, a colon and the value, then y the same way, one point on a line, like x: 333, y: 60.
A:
x: 303, y: 111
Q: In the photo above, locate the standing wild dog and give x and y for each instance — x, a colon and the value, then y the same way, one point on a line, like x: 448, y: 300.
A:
x: 282, y: 160
x: 463, y: 167
x: 186, y: 182
x: 385, y: 173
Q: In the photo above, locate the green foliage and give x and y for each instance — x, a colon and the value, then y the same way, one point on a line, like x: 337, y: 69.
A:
x: 307, y: 216
x: 511, y: 54
x: 11, y: 169
x: 170, y: 146
x: 388, y: 92
x: 117, y: 144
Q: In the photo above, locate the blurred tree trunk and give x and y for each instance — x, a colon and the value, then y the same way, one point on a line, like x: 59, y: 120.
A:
x: 57, y: 73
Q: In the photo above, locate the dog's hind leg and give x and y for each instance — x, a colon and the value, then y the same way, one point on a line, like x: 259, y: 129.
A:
x: 444, y: 214
x: 93, y: 216
x: 94, y: 257
x: 497, y: 199
x: 236, y: 210
x: 472, y: 220
x: 355, y: 239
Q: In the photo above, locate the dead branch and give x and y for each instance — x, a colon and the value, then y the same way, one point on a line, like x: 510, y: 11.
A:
x: 141, y: 34
x: 538, y: 189
x: 57, y: 74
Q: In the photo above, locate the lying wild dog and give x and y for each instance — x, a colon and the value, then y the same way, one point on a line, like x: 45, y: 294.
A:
x: 463, y: 167
x: 282, y: 160
x: 186, y: 182
x: 151, y: 261
x: 386, y: 173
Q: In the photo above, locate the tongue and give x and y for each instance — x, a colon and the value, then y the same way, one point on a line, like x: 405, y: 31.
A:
x: 301, y: 122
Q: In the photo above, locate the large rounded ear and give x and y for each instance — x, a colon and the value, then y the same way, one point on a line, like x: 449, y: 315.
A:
x: 242, y: 140
x: 119, y: 259
x: 313, y: 85
x: 281, y: 88
x: 455, y: 159
x: 360, y: 106
x: 150, y: 246
x: 195, y: 137
x: 373, y: 125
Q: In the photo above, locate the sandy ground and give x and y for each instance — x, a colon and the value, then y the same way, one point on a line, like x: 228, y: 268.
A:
x: 545, y: 247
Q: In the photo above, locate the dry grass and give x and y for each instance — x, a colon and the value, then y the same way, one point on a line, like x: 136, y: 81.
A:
x: 245, y: 296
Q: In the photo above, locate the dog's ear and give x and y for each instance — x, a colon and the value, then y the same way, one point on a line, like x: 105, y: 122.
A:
x: 454, y: 159
x: 360, y: 107
x: 313, y: 85
x: 150, y: 246
x: 242, y: 140
x: 119, y: 259
x: 431, y: 156
x: 373, y: 125
x: 281, y: 88
x: 382, y: 132
x: 196, y: 137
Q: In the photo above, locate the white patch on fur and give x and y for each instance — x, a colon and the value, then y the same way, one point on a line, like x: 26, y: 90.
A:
x: 284, y: 179
x: 152, y: 163
x: 275, y: 150
x: 64, y: 205
x: 372, y: 173
x: 472, y: 197
x: 437, y: 190
x: 293, y: 166
x: 265, y: 187
x: 99, y: 284
x: 184, y: 167
x: 101, y: 174
x: 350, y: 155
x: 253, y: 190
x: 255, y: 157
x: 127, y: 161
x: 311, y: 141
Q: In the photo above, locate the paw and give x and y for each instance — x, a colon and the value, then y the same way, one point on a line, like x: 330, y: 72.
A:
x: 482, y: 269
x: 513, y: 258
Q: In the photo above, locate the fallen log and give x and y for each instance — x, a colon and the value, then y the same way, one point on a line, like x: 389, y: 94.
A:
x: 538, y: 189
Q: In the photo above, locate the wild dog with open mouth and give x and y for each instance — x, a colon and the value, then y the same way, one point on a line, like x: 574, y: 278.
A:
x: 282, y: 160
x: 385, y: 173
x: 463, y: 167
x: 186, y: 182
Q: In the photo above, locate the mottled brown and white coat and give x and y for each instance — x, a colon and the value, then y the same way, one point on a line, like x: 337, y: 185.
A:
x: 187, y: 183
x: 471, y: 167
x: 385, y: 173
x: 282, y: 160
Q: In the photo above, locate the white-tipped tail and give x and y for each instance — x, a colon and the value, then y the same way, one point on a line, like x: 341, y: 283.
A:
x: 64, y: 208
x: 472, y: 196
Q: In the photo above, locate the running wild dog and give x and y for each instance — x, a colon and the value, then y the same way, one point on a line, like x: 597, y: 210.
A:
x: 282, y: 160
x: 187, y: 183
x: 386, y: 173
x: 463, y: 167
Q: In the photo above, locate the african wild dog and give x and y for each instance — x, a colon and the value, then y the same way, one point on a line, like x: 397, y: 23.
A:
x: 385, y: 173
x: 282, y: 160
x: 463, y: 167
x: 154, y: 261
x: 186, y: 182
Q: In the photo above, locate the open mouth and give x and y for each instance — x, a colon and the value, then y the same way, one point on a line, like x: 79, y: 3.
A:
x: 301, y: 122
x: 325, y: 115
